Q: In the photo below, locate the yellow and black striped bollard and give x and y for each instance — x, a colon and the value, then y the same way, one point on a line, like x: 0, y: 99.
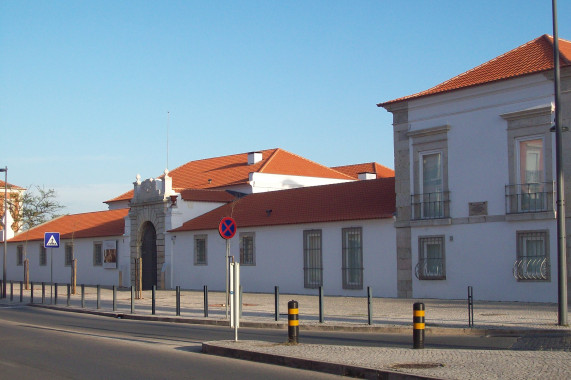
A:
x: 418, y: 325
x: 292, y: 321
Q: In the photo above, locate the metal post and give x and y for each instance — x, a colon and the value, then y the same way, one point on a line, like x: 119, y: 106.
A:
x: 55, y: 294
x: 561, y: 233
x: 205, y: 301
x: 470, y: 307
x: 11, y: 290
x: 32, y: 292
x: 114, y: 297
x: 321, y: 317
x: 21, y: 291
x: 68, y: 293
x: 132, y: 299
x: 370, y: 305
x: 292, y: 321
x: 99, y: 296
x: 227, y: 264
x: 82, y: 296
x: 153, y: 295
x: 418, y: 325
x: 240, y: 300
x: 5, y: 237
x: 178, y: 301
x: 43, y: 292
x: 277, y: 302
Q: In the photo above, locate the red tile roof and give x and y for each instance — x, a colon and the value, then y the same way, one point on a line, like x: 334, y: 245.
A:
x: 358, y: 200
x: 220, y: 172
x: 200, y: 195
x: 371, y: 167
x: 10, y: 186
x: 87, y: 225
x: 530, y: 58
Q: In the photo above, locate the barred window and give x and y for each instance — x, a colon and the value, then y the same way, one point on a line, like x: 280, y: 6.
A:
x: 312, y: 259
x: 247, y: 249
x: 43, y: 256
x: 200, y: 250
x: 352, y: 258
x: 97, y: 254
x: 20, y: 255
x: 532, y: 261
x: 68, y: 254
x: 431, y: 258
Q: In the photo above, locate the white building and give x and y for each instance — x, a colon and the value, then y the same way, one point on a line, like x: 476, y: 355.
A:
x: 475, y: 171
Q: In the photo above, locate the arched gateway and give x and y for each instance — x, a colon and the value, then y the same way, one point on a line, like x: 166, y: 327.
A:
x: 148, y: 246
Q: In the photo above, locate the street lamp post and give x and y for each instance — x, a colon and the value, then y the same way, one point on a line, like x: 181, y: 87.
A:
x: 5, y: 170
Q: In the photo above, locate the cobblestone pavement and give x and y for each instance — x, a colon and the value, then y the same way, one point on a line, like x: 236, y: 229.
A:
x: 542, y: 350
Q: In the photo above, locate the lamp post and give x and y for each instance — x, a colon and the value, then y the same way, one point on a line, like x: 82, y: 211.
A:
x: 5, y: 170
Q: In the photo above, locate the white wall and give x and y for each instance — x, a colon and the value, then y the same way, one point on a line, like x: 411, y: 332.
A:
x: 279, y: 259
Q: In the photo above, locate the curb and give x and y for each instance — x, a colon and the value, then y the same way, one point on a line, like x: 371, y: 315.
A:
x: 431, y: 330
x: 332, y: 368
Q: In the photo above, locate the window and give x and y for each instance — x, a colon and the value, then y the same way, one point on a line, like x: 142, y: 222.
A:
x: 247, y: 249
x: 352, y: 258
x: 200, y: 252
x: 312, y: 259
x: 531, y: 175
x: 431, y: 185
x: 532, y: 262
x: 97, y: 254
x: 20, y: 255
x: 43, y: 256
x: 431, y: 263
x: 68, y: 254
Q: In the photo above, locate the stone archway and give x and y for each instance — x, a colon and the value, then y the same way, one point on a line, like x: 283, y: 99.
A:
x: 148, y: 246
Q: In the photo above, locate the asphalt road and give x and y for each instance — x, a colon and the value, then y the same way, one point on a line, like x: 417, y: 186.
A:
x: 43, y: 343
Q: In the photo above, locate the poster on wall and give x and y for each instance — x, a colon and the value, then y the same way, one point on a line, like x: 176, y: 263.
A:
x: 110, y: 254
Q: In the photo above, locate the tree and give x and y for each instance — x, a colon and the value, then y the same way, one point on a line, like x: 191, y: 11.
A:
x: 36, y: 206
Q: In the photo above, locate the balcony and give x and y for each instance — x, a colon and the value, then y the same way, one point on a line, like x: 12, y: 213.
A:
x: 430, y: 205
x: 530, y: 197
x: 430, y: 269
x: 531, y: 269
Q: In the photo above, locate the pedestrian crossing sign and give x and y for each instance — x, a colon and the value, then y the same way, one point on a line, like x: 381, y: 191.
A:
x: 51, y: 239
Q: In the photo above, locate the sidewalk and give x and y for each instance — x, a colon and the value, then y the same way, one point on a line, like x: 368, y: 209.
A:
x: 347, y: 313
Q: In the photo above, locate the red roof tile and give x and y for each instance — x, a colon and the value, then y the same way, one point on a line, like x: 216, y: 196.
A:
x: 87, y: 225
x: 10, y: 186
x: 533, y: 57
x: 371, y: 167
x: 358, y: 200
x: 200, y: 195
x: 220, y: 172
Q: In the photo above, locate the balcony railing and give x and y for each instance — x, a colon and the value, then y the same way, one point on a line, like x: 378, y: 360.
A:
x: 430, y: 269
x: 531, y: 268
x: 530, y: 197
x: 430, y: 205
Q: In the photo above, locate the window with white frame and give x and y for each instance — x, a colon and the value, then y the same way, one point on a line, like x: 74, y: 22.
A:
x: 312, y: 259
x: 352, y: 258
x: 247, y: 249
x: 431, y: 185
x: 532, y: 262
x: 43, y: 256
x: 431, y: 258
x: 68, y: 254
x: 531, y: 174
x: 200, y: 250
x: 20, y: 255
x: 97, y: 254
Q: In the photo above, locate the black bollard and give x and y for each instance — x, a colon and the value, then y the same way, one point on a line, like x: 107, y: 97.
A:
x: 99, y: 296
x: 370, y: 305
x: 32, y: 292
x: 43, y: 292
x: 277, y: 302
x: 470, y: 307
x: 418, y: 325
x: 83, y: 296
x: 321, y: 317
x: 153, y: 295
x: 292, y: 321
x: 68, y: 293
x: 55, y: 293
x: 178, y: 301
x: 205, y: 301
x: 114, y: 297
x: 11, y: 291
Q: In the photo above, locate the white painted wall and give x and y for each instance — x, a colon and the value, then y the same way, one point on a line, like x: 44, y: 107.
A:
x: 262, y: 182
x: 279, y: 259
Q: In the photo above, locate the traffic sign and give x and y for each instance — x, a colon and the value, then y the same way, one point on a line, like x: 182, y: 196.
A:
x: 227, y: 228
x: 51, y: 239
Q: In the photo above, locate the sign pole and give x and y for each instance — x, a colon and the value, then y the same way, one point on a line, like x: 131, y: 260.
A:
x: 227, y: 255
x: 227, y: 230
x: 51, y: 274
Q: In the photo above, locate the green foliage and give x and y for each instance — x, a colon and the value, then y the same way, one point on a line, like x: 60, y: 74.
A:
x: 36, y: 206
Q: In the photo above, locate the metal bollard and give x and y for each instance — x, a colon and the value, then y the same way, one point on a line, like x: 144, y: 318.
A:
x: 68, y: 293
x: 32, y: 292
x: 240, y: 301
x: 55, y: 293
x: 11, y: 290
x: 178, y: 301
x: 292, y: 321
x: 418, y: 325
x: 99, y: 296
x: 21, y: 291
x: 321, y: 317
x: 83, y: 296
x: 470, y: 307
x: 114, y: 297
x: 277, y: 302
x: 205, y: 301
x: 43, y: 292
x: 132, y: 299
x: 370, y: 305
x: 153, y: 295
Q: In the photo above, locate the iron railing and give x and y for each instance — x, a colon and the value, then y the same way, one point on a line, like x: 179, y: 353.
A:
x: 430, y: 205
x: 530, y: 197
x: 430, y: 269
x: 532, y: 268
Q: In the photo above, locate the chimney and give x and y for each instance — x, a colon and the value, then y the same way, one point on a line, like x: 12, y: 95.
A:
x: 254, y: 157
x: 366, y: 176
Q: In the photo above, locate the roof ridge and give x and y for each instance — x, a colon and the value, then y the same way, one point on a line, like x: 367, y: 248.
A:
x: 314, y: 162
x: 274, y: 153
x: 562, y: 55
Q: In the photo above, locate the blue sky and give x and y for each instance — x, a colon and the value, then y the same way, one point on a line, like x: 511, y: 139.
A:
x: 85, y: 86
